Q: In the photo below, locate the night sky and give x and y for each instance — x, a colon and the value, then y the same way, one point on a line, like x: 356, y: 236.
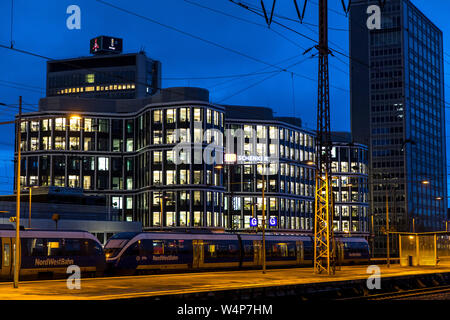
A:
x: 40, y: 27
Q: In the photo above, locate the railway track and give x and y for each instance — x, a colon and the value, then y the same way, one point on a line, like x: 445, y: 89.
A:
x: 401, y: 294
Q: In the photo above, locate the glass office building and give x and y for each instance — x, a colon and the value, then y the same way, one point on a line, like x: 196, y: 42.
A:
x: 397, y: 108
x: 289, y: 179
x: 350, y: 174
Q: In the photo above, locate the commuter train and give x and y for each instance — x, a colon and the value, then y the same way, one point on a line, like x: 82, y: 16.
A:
x: 47, y: 254
x: 139, y: 253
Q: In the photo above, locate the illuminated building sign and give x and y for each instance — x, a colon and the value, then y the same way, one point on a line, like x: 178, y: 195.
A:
x: 273, y: 221
x: 253, y: 159
x: 104, y: 44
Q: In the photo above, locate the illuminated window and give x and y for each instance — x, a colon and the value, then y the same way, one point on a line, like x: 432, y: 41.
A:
x: 116, y: 202
x: 34, y: 126
x: 157, y: 137
x: 157, y: 155
x: 216, y: 118
x: 103, y: 163
x: 88, y: 125
x: 90, y: 89
x: 88, y: 145
x: 129, y: 203
x: 184, y: 114
x: 208, y: 116
x: 34, y: 144
x: 90, y: 78
x: 129, y: 145
x: 171, y: 177
x: 197, y: 114
x: 157, y: 176
x: 74, y: 181
x: 74, y: 143
x: 47, y: 125
x: 129, y: 183
x: 157, y: 116
x: 170, y: 115
x: 170, y: 136
x: 197, y: 218
x: 87, y: 182
x: 60, y: 143
x: 59, y: 181
x: 184, y: 176
x: 46, y: 143
x: 60, y: 124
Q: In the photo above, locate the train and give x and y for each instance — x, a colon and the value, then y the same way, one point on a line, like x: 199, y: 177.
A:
x: 47, y: 254
x: 147, y: 252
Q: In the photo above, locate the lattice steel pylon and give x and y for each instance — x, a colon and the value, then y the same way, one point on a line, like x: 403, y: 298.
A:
x: 324, y: 248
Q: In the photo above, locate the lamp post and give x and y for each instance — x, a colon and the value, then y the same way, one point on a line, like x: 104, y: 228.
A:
x: 263, y: 222
x: 387, y: 230
x: 29, y: 204
x: 19, y: 160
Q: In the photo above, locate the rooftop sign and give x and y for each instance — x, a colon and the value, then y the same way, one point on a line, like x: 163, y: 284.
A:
x: 104, y: 44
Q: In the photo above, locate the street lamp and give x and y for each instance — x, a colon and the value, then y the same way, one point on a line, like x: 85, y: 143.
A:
x: 29, y: 204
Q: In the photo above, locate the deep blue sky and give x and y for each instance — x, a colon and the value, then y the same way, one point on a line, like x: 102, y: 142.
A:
x: 40, y: 27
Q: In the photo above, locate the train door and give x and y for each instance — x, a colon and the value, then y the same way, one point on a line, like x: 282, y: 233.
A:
x: 300, y: 257
x: 198, y: 256
x: 257, y: 249
x: 7, y: 258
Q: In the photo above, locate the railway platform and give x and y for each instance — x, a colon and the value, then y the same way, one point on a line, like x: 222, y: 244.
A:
x: 220, y: 284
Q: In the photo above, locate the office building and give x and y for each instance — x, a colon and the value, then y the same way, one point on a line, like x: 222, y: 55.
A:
x: 114, y: 76
x: 398, y: 110
x: 350, y: 176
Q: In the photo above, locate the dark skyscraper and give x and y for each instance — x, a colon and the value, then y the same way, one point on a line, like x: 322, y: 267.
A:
x: 398, y: 109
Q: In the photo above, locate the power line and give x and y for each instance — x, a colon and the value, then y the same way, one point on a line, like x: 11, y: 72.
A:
x: 264, y: 79
x: 245, y: 20
x: 188, y: 34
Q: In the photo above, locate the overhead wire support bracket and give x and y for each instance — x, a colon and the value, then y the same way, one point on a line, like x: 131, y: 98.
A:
x: 268, y: 20
x: 300, y: 15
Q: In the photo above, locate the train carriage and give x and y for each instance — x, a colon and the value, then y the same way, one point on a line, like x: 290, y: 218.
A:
x: 352, y: 250
x: 47, y: 254
x: 130, y: 253
x: 136, y: 253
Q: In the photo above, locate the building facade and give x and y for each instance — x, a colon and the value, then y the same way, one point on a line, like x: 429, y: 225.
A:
x: 114, y: 76
x: 158, y: 155
x: 350, y: 176
x: 288, y: 178
x: 397, y: 108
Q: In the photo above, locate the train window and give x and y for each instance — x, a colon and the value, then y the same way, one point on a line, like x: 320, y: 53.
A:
x: 167, y: 247
x: 158, y: 247
x: 72, y: 247
x: 95, y: 248
x: 220, y: 249
x: 54, y: 247
x: 38, y: 247
x: 6, y: 254
x: 248, y: 250
x: 132, y: 250
x: 281, y: 249
x: 212, y: 251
